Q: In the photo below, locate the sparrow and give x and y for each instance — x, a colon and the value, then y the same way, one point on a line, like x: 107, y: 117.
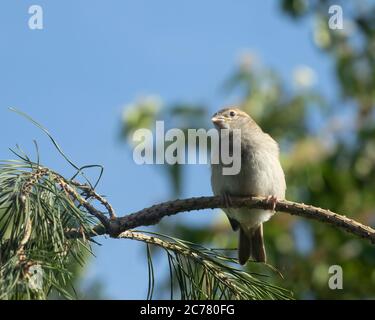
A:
x: 260, y: 174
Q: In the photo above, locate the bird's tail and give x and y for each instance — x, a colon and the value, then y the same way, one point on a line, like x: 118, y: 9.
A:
x: 251, y: 244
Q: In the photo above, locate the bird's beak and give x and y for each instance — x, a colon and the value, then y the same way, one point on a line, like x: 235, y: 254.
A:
x: 218, y: 120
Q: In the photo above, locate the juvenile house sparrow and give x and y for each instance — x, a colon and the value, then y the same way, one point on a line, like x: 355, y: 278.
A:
x: 260, y: 175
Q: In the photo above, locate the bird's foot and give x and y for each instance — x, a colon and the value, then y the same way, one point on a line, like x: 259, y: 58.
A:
x: 227, y: 199
x: 272, y: 200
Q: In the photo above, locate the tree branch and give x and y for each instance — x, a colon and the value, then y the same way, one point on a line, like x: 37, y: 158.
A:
x: 91, y: 193
x: 89, y: 207
x: 152, y: 215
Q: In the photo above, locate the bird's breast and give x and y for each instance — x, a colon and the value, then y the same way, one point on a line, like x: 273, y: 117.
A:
x: 260, y: 174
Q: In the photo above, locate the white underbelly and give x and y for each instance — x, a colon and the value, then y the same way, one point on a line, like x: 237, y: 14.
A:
x: 258, y: 179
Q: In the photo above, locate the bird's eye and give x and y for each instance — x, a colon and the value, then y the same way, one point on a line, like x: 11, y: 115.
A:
x: 232, y: 113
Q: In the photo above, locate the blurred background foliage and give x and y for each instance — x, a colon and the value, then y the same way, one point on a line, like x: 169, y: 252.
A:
x: 328, y: 152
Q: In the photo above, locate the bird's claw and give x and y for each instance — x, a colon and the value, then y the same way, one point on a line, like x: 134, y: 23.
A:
x: 272, y: 200
x: 227, y: 200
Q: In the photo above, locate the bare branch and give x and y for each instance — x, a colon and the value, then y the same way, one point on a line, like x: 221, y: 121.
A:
x: 89, y: 207
x: 152, y: 215
x: 91, y: 193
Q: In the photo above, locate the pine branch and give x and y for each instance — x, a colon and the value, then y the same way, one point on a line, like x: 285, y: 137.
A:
x: 44, y: 217
x: 91, y: 193
x: 152, y: 215
x: 213, y: 276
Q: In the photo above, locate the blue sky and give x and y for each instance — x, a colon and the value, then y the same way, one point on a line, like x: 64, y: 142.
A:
x: 93, y: 57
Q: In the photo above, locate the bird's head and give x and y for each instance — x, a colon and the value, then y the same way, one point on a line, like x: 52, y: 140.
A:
x: 231, y: 118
